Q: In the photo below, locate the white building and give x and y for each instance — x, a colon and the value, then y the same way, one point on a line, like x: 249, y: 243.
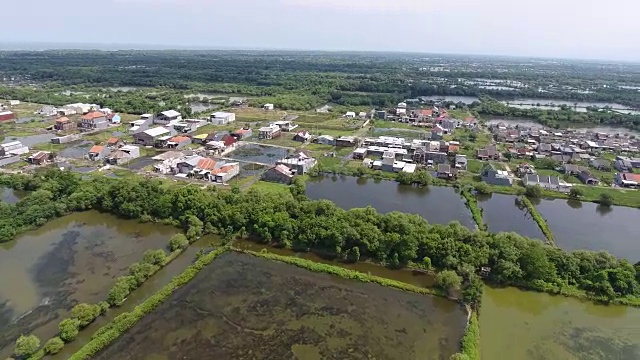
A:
x: 547, y: 182
x: 14, y: 102
x: 80, y: 108
x: 350, y: 114
x: 402, y: 105
x: 268, y: 106
x: 222, y: 118
x: 14, y: 148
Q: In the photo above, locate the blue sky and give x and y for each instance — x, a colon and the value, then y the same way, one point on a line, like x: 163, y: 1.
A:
x: 552, y: 28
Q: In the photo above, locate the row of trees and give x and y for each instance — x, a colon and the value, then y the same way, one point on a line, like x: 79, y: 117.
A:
x: 396, y: 239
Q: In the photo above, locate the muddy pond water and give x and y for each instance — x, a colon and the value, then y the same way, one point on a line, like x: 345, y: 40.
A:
x: 589, y: 226
x: 73, y: 259
x: 502, y: 214
x: 11, y: 196
x: 439, y: 205
x: 526, y: 325
x: 242, y: 306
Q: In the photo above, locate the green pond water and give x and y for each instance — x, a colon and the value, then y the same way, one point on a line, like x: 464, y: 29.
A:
x: 523, y: 325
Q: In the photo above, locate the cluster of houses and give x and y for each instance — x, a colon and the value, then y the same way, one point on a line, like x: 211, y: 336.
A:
x: 570, y: 149
x: 436, y: 117
x: 188, y: 165
x: 298, y: 163
x: 276, y: 128
x: 115, y: 152
x: 11, y: 152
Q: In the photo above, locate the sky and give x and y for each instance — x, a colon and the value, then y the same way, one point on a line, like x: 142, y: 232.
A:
x: 590, y: 29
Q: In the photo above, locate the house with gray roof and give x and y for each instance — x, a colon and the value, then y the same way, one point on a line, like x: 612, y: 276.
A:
x: 493, y: 176
x: 546, y: 182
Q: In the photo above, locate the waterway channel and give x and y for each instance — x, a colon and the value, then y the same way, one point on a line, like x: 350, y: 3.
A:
x: 501, y: 214
x: 526, y: 325
x: 69, y: 260
x: 439, y: 205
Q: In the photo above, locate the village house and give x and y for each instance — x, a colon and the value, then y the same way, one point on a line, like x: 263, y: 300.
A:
x: 269, y: 132
x: 149, y: 137
x: 220, y: 141
x: 460, y: 162
x: 286, y: 125
x: 114, y: 118
x: 64, y: 124
x: 423, y: 156
x: 347, y: 141
x: 546, y: 182
x: 381, y: 114
x: 302, y: 136
x: 544, y: 149
x: 490, y: 152
x: 437, y: 132
x: 178, y: 142
x: 444, y: 171
x: 123, y: 155
x: 165, y: 117
x: 300, y: 163
x: 14, y: 148
x: 279, y: 174
x: 7, y: 115
x: 623, y: 164
x: 601, y: 164
x: 97, y: 152
x: 222, y: 118
x: 587, y: 178
x: 268, y: 106
x: 350, y: 115
x: 243, y: 133
x: 572, y: 169
x: 47, y: 110
x: 66, y: 139
x: 326, y: 140
x: 93, y: 121
x: 79, y: 108
x: 493, y: 176
x: 225, y: 172
x: 40, y: 158
x: 114, y: 142
x: 628, y: 180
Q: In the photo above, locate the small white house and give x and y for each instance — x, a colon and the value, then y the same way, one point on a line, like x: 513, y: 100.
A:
x: 14, y: 102
x: 222, y: 118
x: 402, y: 105
x: 268, y: 106
x: 350, y: 114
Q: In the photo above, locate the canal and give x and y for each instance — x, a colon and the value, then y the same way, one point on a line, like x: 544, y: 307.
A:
x: 438, y: 205
x: 501, y: 213
x: 526, y: 325
x: 69, y: 260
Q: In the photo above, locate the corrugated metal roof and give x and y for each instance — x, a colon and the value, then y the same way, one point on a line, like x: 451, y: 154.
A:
x: 156, y: 131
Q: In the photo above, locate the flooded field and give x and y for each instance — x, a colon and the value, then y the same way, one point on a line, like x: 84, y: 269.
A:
x: 501, y: 213
x: 612, y: 130
x: 150, y: 287
x: 585, y: 225
x: 245, y: 307
x: 440, y: 205
x: 197, y: 107
x: 258, y: 153
x: 78, y: 151
x: 463, y: 99
x: 526, y: 325
x: 45, y: 272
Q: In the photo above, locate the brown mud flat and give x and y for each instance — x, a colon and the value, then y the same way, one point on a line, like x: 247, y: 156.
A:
x: 243, y: 307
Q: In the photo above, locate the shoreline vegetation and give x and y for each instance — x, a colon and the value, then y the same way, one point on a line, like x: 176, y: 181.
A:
x: 537, y: 217
x: 476, y: 211
x: 395, y: 240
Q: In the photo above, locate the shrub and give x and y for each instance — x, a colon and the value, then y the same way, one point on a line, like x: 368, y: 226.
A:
x: 69, y: 329
x: 54, y: 345
x: 85, y: 313
x: 448, y: 281
x: 27, y: 345
x: 154, y: 257
x: 533, y: 191
x: 470, y: 342
x: 576, y: 192
x: 178, y: 241
x: 605, y: 199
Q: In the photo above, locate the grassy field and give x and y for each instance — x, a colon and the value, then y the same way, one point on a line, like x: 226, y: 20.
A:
x: 271, y: 188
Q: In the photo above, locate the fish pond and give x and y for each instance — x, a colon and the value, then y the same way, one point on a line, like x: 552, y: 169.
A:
x: 525, y: 325
x: 585, y: 225
x: 502, y: 213
x: 242, y: 306
x: 69, y: 260
x: 258, y: 153
x: 440, y: 205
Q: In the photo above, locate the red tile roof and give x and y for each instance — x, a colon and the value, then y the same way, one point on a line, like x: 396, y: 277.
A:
x: 179, y: 139
x: 93, y: 115
x: 206, y: 164
x: 113, y: 140
x: 454, y: 148
x: 223, y: 169
x: 110, y: 116
x: 469, y: 119
x: 427, y: 112
x: 631, y: 177
x: 62, y: 120
x: 96, y: 149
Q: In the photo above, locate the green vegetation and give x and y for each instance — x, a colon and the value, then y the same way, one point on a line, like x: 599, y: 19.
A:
x: 27, y: 345
x: 342, y: 272
x: 470, y: 343
x: 606, y: 199
x: 54, y: 345
x: 105, y: 335
x: 394, y: 239
x: 448, y: 281
x: 472, y: 204
x: 542, y: 223
x: 178, y: 242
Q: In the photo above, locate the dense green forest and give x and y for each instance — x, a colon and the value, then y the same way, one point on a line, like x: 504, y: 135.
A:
x: 304, y: 80
x: 396, y: 239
